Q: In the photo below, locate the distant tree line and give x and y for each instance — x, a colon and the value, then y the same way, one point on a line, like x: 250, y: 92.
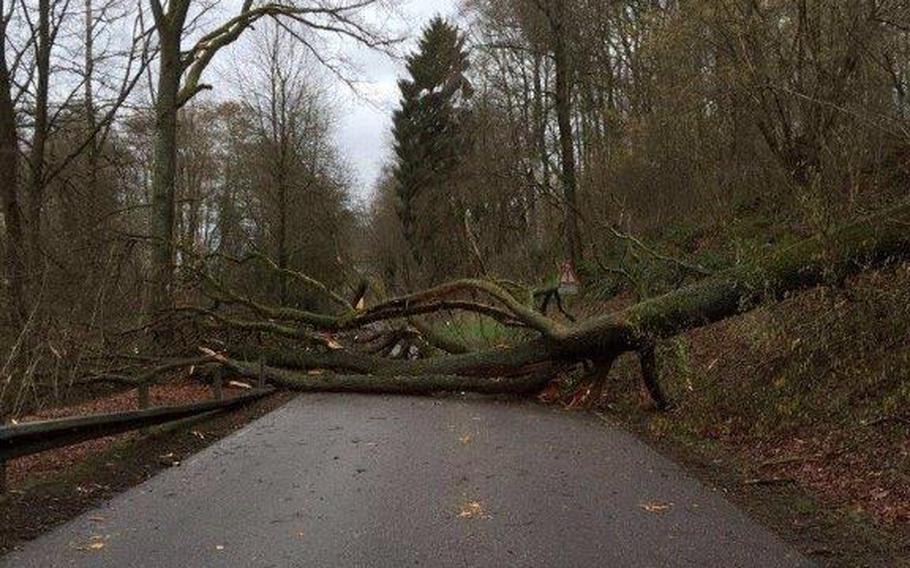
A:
x: 594, y: 126
x: 118, y: 181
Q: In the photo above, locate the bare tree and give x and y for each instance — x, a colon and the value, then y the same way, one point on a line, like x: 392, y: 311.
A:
x: 179, y: 80
x: 556, y: 14
x: 9, y: 171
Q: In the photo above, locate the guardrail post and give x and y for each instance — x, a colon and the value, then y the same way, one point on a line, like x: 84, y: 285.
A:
x: 218, y: 384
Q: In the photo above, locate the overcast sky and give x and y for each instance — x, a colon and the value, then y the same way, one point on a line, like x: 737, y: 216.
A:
x: 365, y: 120
x: 364, y: 113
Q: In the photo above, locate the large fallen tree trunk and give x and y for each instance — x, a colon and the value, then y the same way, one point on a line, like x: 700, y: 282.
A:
x: 324, y: 381
x: 873, y: 241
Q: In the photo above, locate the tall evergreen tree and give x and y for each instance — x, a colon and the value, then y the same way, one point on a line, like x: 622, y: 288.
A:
x: 428, y: 128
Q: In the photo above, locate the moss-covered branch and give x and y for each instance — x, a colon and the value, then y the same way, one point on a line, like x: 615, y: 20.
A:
x: 390, y: 384
x: 870, y: 242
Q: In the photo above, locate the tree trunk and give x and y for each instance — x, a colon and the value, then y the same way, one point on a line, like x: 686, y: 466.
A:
x: 91, y: 119
x: 562, y: 63
x: 540, y: 136
x: 873, y: 241
x: 9, y: 189
x: 164, y: 173
x: 41, y: 133
x: 391, y: 384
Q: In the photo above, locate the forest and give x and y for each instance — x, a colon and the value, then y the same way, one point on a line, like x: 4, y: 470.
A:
x: 603, y: 204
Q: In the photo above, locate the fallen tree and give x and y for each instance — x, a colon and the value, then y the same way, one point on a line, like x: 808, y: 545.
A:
x: 529, y: 365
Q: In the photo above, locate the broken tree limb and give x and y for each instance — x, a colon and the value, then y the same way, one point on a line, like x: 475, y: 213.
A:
x: 272, y: 327
x: 153, y: 375
x: 549, y: 294
x: 515, y: 315
x: 870, y: 242
x: 391, y: 384
x: 438, y: 340
x: 307, y: 281
x: 521, y: 359
x: 650, y: 377
x: 517, y: 310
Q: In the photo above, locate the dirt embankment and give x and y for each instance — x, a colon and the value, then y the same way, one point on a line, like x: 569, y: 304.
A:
x: 806, y: 400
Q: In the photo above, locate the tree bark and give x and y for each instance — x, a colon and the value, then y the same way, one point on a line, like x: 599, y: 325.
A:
x: 391, y: 384
x: 15, y: 270
x: 41, y: 132
x: 91, y: 118
x: 540, y: 139
x: 164, y: 172
x: 650, y: 377
x: 562, y: 63
x: 870, y: 242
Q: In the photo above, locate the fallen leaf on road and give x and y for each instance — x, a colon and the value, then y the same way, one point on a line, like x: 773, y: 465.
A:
x: 465, y: 440
x: 95, y: 544
x: 472, y: 510
x: 656, y: 506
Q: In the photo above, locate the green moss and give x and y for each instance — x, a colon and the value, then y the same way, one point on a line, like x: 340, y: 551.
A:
x: 478, y: 332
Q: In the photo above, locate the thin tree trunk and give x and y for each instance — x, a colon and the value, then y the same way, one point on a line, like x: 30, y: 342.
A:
x: 562, y: 63
x: 164, y: 173
x: 41, y: 132
x: 91, y: 119
x: 540, y: 127
x: 283, y: 257
x: 9, y: 189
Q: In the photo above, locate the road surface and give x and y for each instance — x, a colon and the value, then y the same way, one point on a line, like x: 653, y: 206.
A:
x: 356, y: 481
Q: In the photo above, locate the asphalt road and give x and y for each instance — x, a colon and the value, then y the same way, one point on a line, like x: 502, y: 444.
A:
x: 382, y: 481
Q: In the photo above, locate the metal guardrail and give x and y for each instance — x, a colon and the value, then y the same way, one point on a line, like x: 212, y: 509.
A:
x: 31, y: 438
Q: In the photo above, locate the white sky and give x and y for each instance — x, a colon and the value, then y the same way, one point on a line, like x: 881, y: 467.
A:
x: 364, y: 114
x: 365, y: 120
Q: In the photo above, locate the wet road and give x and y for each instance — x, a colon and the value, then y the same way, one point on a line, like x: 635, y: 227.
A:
x: 334, y: 480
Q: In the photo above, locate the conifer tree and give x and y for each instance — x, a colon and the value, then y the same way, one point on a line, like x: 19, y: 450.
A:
x: 428, y: 128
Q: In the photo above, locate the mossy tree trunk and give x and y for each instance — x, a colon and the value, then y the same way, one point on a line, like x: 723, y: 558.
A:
x: 526, y: 367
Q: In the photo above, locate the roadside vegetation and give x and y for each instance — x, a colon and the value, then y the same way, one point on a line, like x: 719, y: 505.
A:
x: 689, y: 215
